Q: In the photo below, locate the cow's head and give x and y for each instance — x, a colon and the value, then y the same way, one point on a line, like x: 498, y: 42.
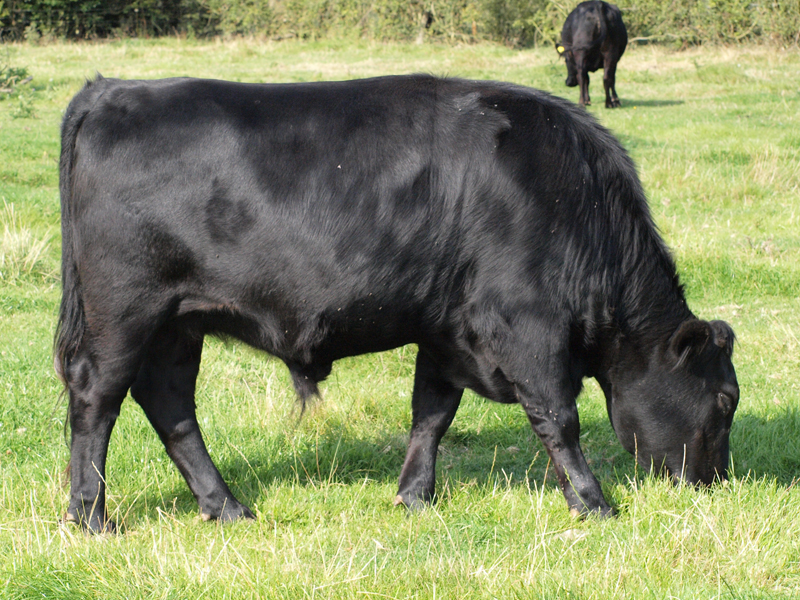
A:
x: 569, y: 58
x: 673, y: 410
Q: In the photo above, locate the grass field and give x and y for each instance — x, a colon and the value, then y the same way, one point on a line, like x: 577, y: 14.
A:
x: 716, y: 135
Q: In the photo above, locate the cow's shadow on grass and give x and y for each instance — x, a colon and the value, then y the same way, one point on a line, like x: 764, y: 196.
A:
x: 505, y: 455
x: 767, y: 447
x: 630, y: 103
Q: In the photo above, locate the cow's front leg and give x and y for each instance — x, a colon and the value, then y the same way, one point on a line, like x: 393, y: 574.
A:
x: 165, y: 388
x: 555, y: 421
x: 433, y: 406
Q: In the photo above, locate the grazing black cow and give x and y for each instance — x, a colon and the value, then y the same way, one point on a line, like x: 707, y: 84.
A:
x: 500, y: 229
x: 593, y: 37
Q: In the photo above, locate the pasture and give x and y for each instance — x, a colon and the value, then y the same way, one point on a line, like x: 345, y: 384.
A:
x: 715, y: 133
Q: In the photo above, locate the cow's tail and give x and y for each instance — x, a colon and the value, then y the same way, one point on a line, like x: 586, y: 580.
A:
x: 602, y: 24
x: 603, y: 30
x: 71, y: 317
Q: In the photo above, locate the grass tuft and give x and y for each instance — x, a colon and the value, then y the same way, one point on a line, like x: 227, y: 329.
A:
x: 22, y: 254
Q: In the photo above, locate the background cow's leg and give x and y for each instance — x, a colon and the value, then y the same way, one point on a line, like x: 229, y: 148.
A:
x: 582, y: 74
x: 609, y: 80
x: 555, y: 420
x: 433, y: 406
x: 98, y: 378
x: 164, y: 388
x: 583, y: 82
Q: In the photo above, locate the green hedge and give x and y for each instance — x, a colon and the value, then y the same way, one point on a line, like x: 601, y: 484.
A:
x: 723, y: 21
x: 514, y: 22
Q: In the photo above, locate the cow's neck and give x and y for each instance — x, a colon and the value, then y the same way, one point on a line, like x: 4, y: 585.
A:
x: 640, y: 310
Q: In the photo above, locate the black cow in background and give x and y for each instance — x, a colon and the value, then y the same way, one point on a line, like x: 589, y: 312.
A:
x: 500, y: 229
x: 593, y: 37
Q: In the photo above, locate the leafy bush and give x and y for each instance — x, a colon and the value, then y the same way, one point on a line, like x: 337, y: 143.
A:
x: 514, y: 22
x: 76, y: 19
x: 701, y: 21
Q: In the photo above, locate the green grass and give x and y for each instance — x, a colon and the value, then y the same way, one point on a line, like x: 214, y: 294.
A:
x: 716, y: 136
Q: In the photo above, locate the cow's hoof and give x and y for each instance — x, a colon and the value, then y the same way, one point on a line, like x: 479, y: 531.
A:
x: 232, y: 511
x: 614, y: 104
x: 600, y: 512
x: 412, y: 502
x: 93, y: 525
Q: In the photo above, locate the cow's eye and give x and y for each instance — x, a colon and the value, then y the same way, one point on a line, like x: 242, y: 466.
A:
x: 725, y: 403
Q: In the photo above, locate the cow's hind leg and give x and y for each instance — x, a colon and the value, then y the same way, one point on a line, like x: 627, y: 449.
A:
x: 582, y: 76
x: 433, y: 405
x: 98, y: 377
x: 609, y: 82
x: 164, y: 388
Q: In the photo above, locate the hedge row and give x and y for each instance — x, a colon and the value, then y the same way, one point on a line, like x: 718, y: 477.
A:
x: 515, y: 22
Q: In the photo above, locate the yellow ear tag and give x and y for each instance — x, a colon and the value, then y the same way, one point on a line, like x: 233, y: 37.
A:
x: 560, y: 49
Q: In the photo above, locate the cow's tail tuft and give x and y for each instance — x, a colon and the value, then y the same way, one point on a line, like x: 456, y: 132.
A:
x: 71, y: 317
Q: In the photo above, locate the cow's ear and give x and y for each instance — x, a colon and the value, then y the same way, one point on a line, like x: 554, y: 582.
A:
x: 723, y: 336
x: 689, y: 340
